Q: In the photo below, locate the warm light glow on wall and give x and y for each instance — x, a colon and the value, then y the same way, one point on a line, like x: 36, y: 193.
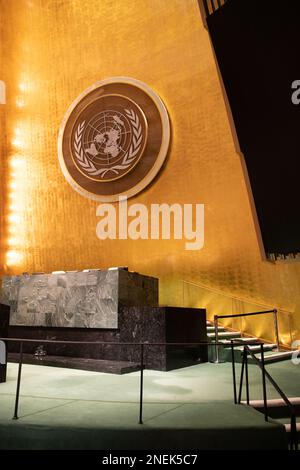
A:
x: 13, y: 257
x: 17, y: 185
x: 17, y: 181
x: 13, y: 185
x: 18, y: 140
x: 22, y: 86
x: 16, y: 207
x: 13, y: 229
x: 13, y: 241
x: 14, y: 218
x: 20, y: 102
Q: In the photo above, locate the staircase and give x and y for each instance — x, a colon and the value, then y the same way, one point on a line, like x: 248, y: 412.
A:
x: 279, y: 411
x: 226, y: 337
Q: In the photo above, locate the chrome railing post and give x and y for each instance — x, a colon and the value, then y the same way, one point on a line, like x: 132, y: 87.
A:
x: 216, y: 339
x: 246, y: 373
x: 18, y: 382
x: 276, y: 327
x: 242, y: 377
x: 264, y: 381
x: 233, y: 373
x: 141, y: 383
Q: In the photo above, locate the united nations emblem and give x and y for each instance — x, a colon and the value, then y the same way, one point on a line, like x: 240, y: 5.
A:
x: 114, y: 139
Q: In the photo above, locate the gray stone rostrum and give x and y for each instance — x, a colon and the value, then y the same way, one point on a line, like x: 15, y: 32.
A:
x: 84, y: 299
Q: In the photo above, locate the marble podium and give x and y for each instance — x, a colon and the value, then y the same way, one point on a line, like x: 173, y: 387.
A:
x: 114, y: 306
x: 79, y: 299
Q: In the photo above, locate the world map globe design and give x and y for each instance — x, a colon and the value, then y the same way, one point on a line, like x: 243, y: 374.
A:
x: 107, y: 137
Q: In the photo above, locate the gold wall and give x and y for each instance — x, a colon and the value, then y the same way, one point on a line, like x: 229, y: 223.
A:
x: 53, y: 50
x: 2, y: 151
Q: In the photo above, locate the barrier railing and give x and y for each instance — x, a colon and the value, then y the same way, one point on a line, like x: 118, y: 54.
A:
x: 237, y: 399
x: 142, y: 347
x: 263, y: 312
x: 265, y: 374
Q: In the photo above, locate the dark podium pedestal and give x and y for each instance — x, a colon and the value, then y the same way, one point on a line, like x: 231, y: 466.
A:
x: 4, y: 322
x: 163, y: 325
x: 135, y: 325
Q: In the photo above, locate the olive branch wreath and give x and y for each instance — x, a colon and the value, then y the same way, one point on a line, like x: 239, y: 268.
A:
x: 128, y: 158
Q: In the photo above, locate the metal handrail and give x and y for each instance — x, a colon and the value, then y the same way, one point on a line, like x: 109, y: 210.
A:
x: 54, y: 341
x: 142, y: 364
x: 142, y: 367
x: 266, y: 374
x: 263, y: 312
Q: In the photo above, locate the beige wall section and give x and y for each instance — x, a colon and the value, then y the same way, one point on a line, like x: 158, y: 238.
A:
x: 53, y: 51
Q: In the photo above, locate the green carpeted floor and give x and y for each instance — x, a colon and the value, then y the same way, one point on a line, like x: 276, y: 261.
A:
x: 183, y: 409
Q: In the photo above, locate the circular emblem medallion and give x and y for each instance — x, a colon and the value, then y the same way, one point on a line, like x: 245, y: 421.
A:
x: 113, y: 139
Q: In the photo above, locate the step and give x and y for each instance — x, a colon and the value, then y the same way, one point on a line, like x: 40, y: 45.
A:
x: 224, y: 348
x: 274, y: 357
x: 254, y: 346
x: 277, y: 408
x: 257, y: 348
x: 225, y: 334
x: 212, y: 329
x: 244, y: 340
x: 247, y: 340
x: 273, y: 402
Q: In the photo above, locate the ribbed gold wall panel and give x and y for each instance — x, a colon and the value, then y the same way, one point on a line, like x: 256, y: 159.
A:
x: 2, y: 151
x: 54, y: 49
